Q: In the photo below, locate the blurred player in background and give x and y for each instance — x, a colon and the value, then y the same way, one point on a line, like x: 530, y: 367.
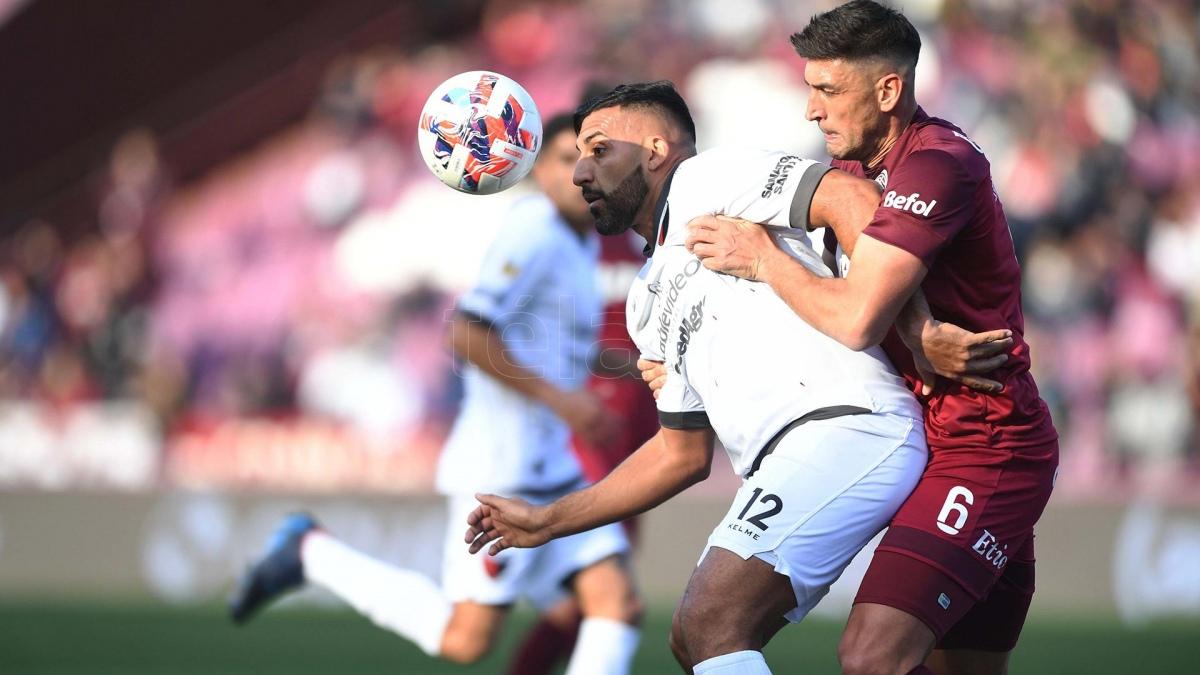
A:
x: 617, y: 382
x: 526, y: 332
x: 950, y: 584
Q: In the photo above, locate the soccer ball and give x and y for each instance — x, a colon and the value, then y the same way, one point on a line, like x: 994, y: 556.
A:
x: 480, y: 132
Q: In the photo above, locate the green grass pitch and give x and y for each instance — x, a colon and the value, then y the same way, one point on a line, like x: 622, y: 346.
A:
x: 117, y: 639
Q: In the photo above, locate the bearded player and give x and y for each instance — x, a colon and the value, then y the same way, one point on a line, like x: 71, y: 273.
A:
x: 951, y: 583
x: 827, y: 439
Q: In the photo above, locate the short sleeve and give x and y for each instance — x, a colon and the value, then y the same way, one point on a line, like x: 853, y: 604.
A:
x: 679, y: 406
x: 928, y: 201
x: 515, y: 264
x: 773, y: 188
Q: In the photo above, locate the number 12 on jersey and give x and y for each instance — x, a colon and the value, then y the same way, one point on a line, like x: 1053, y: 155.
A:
x: 758, y: 518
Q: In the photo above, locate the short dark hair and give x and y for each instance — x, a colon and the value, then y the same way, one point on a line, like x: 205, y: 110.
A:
x: 554, y: 126
x: 860, y: 29
x: 660, y: 96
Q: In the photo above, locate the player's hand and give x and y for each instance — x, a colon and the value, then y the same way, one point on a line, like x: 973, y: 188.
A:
x: 586, y: 415
x: 654, y: 374
x: 505, y: 523
x: 730, y: 245
x: 959, y: 355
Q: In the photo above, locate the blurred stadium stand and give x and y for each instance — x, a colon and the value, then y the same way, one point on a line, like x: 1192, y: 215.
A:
x: 223, y: 266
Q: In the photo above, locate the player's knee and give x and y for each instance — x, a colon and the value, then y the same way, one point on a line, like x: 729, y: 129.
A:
x: 859, y: 656
x: 467, y: 640
x: 676, y: 642
x: 708, y: 624
x: 460, y: 648
x: 607, y: 591
x: 632, y: 607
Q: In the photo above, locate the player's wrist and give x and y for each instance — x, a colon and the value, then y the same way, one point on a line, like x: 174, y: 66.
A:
x: 548, y: 518
x: 549, y: 395
x: 771, y: 264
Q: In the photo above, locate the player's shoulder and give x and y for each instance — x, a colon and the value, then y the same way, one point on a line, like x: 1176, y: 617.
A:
x: 531, y: 221
x: 942, y: 145
x: 715, y: 167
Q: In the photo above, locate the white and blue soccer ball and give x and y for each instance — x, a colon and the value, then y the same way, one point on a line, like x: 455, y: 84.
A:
x: 480, y: 132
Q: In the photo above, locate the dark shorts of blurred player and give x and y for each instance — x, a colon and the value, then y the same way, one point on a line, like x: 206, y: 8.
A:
x: 959, y: 553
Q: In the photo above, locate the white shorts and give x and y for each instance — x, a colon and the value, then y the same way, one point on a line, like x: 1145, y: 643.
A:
x: 539, y: 575
x: 828, y: 487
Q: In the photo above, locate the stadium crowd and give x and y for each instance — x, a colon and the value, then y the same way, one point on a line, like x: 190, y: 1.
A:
x: 311, y: 276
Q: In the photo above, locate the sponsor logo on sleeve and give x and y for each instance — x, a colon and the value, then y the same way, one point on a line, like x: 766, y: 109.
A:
x: 779, y: 175
x: 911, y: 203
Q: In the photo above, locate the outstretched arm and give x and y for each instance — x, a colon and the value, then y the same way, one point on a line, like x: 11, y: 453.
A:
x: 668, y: 463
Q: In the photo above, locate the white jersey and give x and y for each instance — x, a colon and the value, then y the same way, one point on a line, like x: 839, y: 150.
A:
x: 537, y: 287
x: 738, y: 358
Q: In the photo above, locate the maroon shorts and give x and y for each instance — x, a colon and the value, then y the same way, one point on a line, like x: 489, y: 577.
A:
x: 959, y: 553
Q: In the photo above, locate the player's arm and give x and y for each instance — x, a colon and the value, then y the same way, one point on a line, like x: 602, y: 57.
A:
x: 475, y: 340
x: 616, y: 363
x: 846, y: 205
x: 667, y: 464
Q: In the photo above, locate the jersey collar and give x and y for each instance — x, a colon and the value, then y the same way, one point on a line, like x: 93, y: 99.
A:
x: 662, y: 216
x: 899, y: 149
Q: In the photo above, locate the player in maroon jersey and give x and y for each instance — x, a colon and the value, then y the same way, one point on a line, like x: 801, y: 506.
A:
x: 950, y: 585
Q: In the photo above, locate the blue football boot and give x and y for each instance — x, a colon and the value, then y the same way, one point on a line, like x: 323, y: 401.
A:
x: 279, y: 571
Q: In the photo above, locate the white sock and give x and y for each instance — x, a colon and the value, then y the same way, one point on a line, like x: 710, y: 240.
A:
x: 604, y: 647
x: 406, y: 603
x: 737, y: 663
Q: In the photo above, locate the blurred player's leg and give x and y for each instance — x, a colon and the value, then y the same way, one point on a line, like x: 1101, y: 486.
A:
x: 608, y: 636
x: 471, y: 632
x: 404, y: 602
x: 549, y: 642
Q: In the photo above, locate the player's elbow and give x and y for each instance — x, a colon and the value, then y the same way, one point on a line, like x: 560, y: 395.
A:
x: 688, y: 466
x: 465, y: 331
x: 696, y: 467
x: 862, y: 333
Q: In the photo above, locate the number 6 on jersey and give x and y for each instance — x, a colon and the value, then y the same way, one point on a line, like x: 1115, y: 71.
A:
x: 952, y: 506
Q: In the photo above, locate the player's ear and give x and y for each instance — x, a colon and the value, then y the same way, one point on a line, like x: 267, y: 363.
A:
x: 659, y: 148
x: 888, y: 90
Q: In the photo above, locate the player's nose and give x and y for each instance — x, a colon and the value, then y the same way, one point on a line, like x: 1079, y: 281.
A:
x: 583, y: 173
x: 814, y: 112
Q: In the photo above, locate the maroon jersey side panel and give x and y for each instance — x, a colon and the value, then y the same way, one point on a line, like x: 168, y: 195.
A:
x: 939, y: 205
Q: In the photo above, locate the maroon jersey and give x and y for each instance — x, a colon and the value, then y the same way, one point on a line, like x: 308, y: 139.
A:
x: 939, y: 205
x: 629, y: 399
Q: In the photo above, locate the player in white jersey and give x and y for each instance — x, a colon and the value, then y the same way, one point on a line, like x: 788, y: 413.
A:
x: 828, y: 440
x: 525, y: 332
